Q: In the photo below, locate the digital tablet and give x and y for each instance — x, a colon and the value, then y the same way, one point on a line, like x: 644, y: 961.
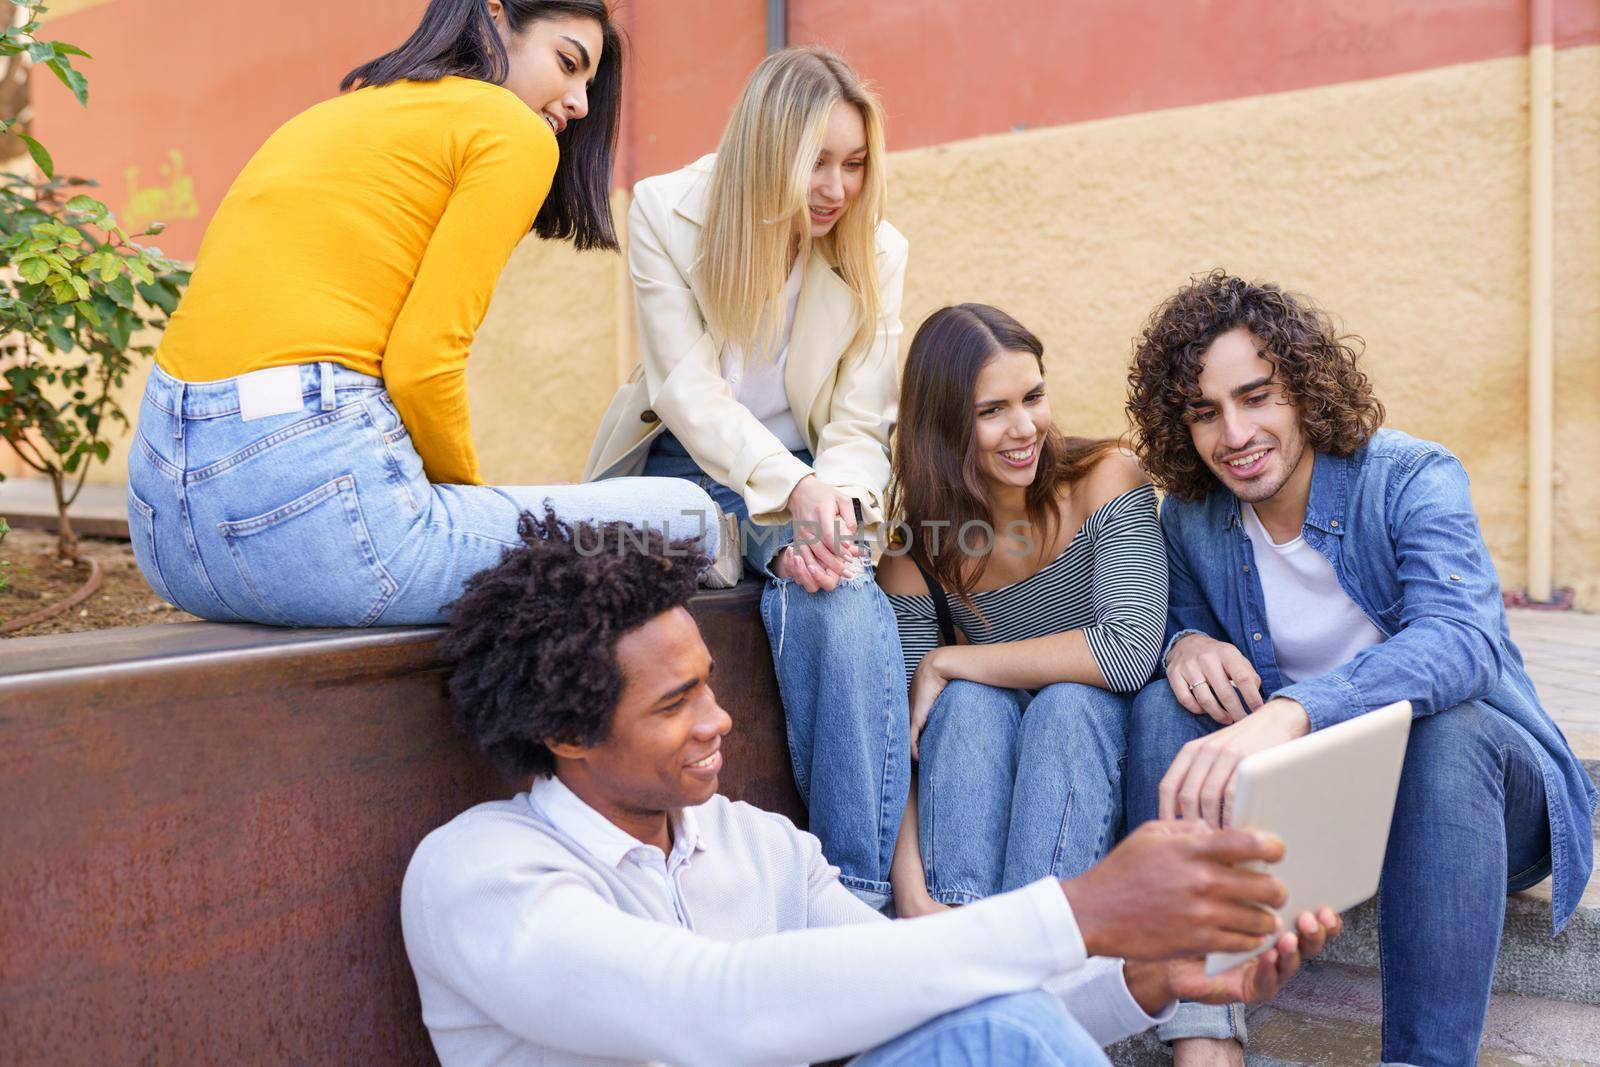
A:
x: 1330, y: 797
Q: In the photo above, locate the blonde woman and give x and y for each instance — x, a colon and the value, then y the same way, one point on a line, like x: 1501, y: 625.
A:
x: 767, y: 288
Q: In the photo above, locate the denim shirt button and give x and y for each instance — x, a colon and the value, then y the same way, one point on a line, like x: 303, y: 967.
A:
x: 1247, y: 568
x: 1334, y: 523
x: 1256, y: 636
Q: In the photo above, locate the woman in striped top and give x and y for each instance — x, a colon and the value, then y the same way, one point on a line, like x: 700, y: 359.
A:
x: 1029, y: 585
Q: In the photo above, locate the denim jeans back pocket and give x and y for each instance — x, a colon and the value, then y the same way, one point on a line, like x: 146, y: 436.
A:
x: 142, y: 532
x: 345, y: 584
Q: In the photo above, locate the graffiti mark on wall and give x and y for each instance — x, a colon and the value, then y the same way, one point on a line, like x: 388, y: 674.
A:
x: 168, y: 201
x: 1345, y: 37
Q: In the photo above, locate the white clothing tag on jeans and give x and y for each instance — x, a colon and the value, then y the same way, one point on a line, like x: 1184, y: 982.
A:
x: 274, y: 391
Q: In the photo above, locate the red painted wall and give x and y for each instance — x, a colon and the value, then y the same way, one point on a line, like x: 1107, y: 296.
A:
x: 208, y: 80
x: 950, y: 69
x: 689, y: 60
x: 211, y: 81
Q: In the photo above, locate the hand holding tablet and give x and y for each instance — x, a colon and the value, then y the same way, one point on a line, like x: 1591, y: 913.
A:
x: 1329, y: 797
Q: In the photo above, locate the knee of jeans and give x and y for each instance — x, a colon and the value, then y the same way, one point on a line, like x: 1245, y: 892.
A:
x: 856, y: 601
x: 1038, y: 1020
x: 1450, y: 751
x: 975, y: 699
x: 1157, y: 722
x: 970, y: 714
x: 1157, y: 698
x: 1079, y: 707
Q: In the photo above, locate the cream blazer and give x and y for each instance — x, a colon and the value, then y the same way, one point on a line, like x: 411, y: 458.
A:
x: 844, y: 406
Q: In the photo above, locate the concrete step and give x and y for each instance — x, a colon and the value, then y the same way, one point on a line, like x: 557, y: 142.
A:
x: 1329, y: 1016
x: 1544, y: 1011
x: 1531, y: 962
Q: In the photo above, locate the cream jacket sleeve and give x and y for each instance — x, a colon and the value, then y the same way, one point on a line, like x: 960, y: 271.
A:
x: 682, y: 377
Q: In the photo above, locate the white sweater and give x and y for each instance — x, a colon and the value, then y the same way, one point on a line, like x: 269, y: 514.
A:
x: 541, y: 934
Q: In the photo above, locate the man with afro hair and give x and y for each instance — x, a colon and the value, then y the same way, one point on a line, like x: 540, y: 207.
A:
x: 621, y: 912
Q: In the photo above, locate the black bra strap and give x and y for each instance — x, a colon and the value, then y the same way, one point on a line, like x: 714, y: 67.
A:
x: 941, y: 605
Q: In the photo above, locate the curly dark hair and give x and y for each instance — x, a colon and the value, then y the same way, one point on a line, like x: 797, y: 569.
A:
x: 533, y: 639
x: 1313, y: 361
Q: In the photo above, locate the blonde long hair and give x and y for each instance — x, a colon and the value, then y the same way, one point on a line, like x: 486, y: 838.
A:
x: 760, y: 186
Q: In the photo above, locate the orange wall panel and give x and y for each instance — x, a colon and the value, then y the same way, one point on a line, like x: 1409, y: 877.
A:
x: 689, y: 60
x: 952, y: 69
x: 181, y: 94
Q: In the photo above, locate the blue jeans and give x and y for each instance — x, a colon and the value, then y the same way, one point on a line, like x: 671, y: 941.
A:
x: 1012, y: 788
x: 842, y: 680
x: 1470, y: 825
x: 323, y: 516
x: 1021, y: 1030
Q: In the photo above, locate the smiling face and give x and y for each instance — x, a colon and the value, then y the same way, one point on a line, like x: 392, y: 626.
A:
x: 664, y: 749
x: 552, y: 62
x: 1011, y: 415
x: 840, y: 171
x: 1245, y: 429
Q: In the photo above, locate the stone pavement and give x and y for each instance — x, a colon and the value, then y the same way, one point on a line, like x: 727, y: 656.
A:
x: 99, y: 511
x: 1562, y: 651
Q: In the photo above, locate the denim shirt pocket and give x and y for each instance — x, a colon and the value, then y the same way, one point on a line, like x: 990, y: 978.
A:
x: 1389, y: 617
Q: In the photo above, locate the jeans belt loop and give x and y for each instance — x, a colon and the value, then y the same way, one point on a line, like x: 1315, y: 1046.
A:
x: 327, y: 386
x: 177, y: 414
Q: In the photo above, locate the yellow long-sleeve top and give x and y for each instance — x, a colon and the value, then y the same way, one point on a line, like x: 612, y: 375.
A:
x: 369, y: 231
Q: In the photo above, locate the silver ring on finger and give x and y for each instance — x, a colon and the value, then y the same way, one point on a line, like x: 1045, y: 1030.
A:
x: 1196, y: 682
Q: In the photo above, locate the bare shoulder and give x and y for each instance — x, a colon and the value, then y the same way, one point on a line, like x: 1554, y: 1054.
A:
x: 1113, y: 474
x: 898, y: 576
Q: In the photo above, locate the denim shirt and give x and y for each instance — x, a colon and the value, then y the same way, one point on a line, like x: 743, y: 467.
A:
x: 1396, y: 522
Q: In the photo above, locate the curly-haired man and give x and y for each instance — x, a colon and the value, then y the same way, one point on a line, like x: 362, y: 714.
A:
x: 1320, y: 568
x: 620, y: 911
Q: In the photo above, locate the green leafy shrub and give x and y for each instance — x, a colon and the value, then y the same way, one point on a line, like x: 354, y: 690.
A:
x: 5, y: 564
x: 77, y: 295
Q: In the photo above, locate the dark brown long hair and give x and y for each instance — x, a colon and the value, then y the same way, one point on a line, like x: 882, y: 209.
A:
x: 457, y: 37
x: 935, y: 464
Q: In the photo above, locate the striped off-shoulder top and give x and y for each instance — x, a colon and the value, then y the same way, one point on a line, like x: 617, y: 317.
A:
x: 1110, y: 582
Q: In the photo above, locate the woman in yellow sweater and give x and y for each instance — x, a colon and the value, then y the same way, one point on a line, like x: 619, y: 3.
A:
x: 304, y: 454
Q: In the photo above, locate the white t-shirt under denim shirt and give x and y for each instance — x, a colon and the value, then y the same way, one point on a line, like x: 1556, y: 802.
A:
x: 542, y: 935
x: 1315, y: 626
x: 756, y: 377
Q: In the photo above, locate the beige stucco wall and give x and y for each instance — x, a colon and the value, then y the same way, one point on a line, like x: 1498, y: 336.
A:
x: 1577, y: 324
x: 1399, y: 203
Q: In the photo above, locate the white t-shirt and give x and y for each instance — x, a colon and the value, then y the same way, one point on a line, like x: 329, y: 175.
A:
x: 1315, y: 625
x: 757, y: 377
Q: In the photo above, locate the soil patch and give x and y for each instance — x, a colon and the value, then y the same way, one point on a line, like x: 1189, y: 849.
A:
x: 38, y: 579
